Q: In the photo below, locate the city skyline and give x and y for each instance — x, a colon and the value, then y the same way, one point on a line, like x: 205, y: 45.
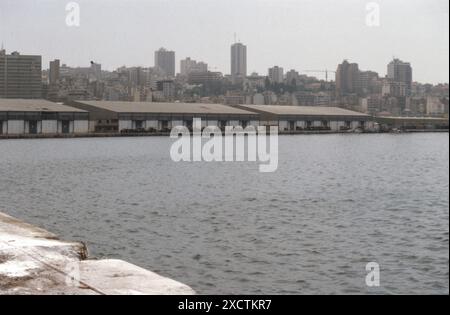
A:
x: 298, y: 46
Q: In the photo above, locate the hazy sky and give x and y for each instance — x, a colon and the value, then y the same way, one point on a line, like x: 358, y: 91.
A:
x: 294, y: 34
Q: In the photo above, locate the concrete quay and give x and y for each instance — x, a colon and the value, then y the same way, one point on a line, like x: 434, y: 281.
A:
x: 35, y: 261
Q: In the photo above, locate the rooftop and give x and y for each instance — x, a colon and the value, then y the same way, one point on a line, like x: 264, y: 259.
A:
x: 413, y: 118
x: 179, y: 108
x: 34, y: 105
x: 304, y: 110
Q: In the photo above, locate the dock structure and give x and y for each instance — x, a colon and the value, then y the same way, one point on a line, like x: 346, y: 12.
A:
x: 43, y: 119
x: 413, y: 123
x: 34, y: 261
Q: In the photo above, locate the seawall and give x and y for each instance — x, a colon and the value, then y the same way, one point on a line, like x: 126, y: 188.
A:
x: 35, y: 261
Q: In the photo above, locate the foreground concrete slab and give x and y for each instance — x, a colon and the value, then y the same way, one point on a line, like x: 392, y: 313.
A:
x: 35, y: 261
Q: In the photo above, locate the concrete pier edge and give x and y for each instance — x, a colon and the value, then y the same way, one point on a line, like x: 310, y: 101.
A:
x: 35, y: 261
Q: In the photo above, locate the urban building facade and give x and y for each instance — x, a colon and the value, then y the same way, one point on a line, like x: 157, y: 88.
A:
x: 276, y: 74
x: 20, y: 76
x: 347, y: 78
x: 54, y: 70
x: 399, y: 71
x: 165, y: 60
x: 187, y: 66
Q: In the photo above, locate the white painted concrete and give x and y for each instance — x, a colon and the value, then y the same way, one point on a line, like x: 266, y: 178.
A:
x: 125, y: 124
x: 300, y: 124
x: 34, y: 261
x: 152, y: 124
x: 81, y: 126
x: 283, y: 125
x: 16, y: 127
x: 212, y: 123
x: 317, y: 123
x: 49, y: 126
x: 92, y: 124
x: 336, y: 125
x: 177, y: 123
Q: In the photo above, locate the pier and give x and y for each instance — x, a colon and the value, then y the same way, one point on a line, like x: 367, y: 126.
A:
x: 35, y: 261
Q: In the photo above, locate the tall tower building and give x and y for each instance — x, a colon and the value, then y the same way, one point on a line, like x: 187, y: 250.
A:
x: 165, y: 60
x: 53, y: 75
x: 399, y: 71
x: 238, y: 61
x: 347, y: 78
x: 20, y: 76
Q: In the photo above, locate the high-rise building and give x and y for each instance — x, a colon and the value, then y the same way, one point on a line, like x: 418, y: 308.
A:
x: 167, y: 89
x: 238, y: 61
x: 276, y: 74
x: 347, y: 78
x: 20, y: 76
x: 292, y: 77
x: 204, y: 77
x: 399, y: 71
x: 368, y: 81
x: 189, y: 65
x: 95, y: 71
x: 53, y: 75
x: 165, y: 61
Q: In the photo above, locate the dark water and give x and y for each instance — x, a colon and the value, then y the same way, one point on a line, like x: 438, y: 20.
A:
x: 335, y: 203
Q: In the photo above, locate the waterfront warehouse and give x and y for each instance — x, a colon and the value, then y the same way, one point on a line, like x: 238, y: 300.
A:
x: 36, y: 116
x: 114, y: 116
x: 311, y: 118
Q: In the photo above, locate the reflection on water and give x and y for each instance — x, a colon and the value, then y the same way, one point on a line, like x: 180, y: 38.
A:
x: 335, y: 203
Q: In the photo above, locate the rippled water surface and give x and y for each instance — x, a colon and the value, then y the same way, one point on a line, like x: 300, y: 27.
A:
x: 335, y: 203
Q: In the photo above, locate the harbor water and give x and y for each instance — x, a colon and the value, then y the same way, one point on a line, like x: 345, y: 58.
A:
x: 335, y: 203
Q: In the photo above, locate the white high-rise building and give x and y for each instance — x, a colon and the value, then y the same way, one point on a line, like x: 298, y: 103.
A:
x: 276, y: 74
x: 189, y: 65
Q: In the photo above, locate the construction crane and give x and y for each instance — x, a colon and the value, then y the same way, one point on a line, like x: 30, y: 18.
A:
x: 321, y: 71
